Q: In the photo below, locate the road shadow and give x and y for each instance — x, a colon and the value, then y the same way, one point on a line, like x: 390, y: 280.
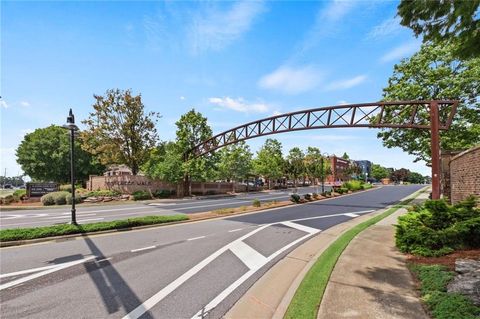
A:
x: 114, y: 290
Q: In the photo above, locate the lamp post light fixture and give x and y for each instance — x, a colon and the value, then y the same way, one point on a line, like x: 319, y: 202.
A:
x: 72, y: 128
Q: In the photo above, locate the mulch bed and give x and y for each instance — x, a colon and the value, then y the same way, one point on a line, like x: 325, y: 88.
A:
x: 448, y: 260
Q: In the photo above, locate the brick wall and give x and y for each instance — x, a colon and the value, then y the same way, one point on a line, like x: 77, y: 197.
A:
x: 465, y: 174
x: 127, y: 184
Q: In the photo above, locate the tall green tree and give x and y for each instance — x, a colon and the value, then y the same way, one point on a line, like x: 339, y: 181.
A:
x: 165, y: 163
x: 379, y: 172
x: 435, y: 73
x: 415, y: 178
x: 295, y: 164
x: 313, y: 163
x: 345, y: 156
x: 192, y: 129
x: 269, y: 162
x: 119, y: 131
x: 452, y: 21
x: 235, y: 162
x: 44, y: 155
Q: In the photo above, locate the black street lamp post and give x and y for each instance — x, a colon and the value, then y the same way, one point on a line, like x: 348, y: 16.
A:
x: 323, y: 171
x: 72, y: 128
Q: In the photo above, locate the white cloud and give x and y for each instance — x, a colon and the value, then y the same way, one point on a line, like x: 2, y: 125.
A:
x: 182, y: 98
x: 388, y: 27
x: 291, y: 80
x: 326, y: 22
x: 215, y: 29
x: 342, y: 102
x: 3, y: 104
x: 401, y: 51
x: 24, y: 103
x: 346, y: 84
x: 239, y: 105
x: 275, y: 113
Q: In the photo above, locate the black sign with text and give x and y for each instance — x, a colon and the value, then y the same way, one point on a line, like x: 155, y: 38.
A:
x: 40, y: 189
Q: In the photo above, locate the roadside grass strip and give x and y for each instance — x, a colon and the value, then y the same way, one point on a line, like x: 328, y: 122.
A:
x: 307, y: 298
x: 67, y: 229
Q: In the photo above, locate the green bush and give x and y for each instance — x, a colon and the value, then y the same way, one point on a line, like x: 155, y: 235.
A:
x: 295, y: 198
x: 162, y: 193
x: 443, y: 305
x: 47, y: 199
x: 256, y: 203
x: 60, y: 198
x: 141, y: 195
x: 436, y: 228
x: 366, y: 186
x: 353, y: 185
x: 20, y: 193
x: 8, y: 200
x: 69, y: 197
x: 307, y: 196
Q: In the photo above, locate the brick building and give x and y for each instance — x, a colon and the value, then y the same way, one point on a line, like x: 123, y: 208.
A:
x: 339, y: 168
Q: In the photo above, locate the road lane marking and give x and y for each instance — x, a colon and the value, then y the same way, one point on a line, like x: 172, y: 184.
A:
x: 195, y: 238
x: 43, y: 273
x: 217, y: 300
x: 144, y: 248
x: 351, y: 215
x: 152, y: 301
x: 104, y: 259
x: 27, y: 271
x: 249, y: 256
x: 306, y: 229
x: 89, y: 219
x: 234, y: 230
x: 159, y: 296
x: 68, y: 217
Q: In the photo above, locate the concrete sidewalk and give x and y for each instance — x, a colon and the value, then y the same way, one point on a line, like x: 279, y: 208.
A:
x: 370, y: 279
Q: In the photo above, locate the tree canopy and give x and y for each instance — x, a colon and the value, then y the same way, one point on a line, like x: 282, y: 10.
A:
x: 435, y: 73
x: 119, y: 131
x: 295, y: 164
x: 165, y: 163
x: 269, y: 162
x: 379, y: 172
x: 44, y: 155
x: 192, y: 129
x: 454, y: 22
x: 235, y: 162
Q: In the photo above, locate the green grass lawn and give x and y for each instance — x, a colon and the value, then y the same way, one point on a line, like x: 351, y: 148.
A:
x: 67, y: 229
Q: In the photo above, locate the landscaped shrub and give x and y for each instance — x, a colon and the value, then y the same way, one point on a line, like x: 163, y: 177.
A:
x: 340, y: 191
x: 20, y: 193
x: 307, y: 197
x: 256, y: 203
x: 8, y: 199
x: 353, y: 185
x: 367, y: 186
x: 315, y: 195
x: 69, y: 197
x: 295, y: 198
x: 60, y: 198
x: 436, y: 228
x: 443, y: 305
x: 162, y: 193
x: 141, y: 195
x: 54, y: 198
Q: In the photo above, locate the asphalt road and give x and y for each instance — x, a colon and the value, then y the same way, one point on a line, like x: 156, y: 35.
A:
x: 92, y: 214
x: 181, y: 271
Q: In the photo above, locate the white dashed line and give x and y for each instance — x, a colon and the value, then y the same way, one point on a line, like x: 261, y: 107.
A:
x: 144, y: 248
x: 195, y: 238
x: 234, y: 230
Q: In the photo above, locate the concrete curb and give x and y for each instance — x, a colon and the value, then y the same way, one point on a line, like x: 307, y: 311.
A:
x: 4, y: 244
x: 271, y: 295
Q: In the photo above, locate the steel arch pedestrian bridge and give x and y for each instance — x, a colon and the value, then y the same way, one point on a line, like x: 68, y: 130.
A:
x: 433, y: 115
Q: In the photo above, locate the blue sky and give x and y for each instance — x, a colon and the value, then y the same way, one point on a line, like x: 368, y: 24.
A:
x: 233, y: 61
